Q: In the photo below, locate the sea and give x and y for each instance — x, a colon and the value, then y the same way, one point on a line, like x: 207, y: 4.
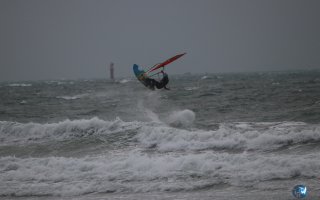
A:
x: 212, y: 136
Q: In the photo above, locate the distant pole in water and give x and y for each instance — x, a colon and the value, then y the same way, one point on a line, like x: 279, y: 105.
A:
x: 111, y: 71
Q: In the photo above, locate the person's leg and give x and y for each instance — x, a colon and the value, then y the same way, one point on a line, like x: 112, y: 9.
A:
x: 159, y: 85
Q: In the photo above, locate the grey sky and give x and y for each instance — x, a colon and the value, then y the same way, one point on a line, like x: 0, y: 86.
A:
x: 52, y: 39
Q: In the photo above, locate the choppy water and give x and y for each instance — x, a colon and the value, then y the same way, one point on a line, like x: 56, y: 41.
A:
x: 226, y: 136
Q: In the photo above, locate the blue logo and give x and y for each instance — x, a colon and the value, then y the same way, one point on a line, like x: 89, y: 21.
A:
x: 299, y: 191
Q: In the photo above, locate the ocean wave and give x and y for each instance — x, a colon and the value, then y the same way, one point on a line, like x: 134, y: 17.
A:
x: 182, y: 118
x: 137, y: 172
x: 59, y: 82
x: 230, y: 136
x: 204, y: 77
x: 79, y: 96
x: 165, y: 138
x: 20, y: 85
x: 24, y: 133
x: 191, y: 88
x: 123, y: 81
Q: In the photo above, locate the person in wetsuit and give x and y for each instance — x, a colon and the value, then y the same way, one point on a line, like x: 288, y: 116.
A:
x: 152, y: 83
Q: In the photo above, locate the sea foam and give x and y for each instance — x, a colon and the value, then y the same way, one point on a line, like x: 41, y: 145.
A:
x: 24, y: 133
x: 137, y: 172
x: 229, y: 136
x: 181, y: 118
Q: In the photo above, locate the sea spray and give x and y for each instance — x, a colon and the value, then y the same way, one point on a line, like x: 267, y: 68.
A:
x: 183, y: 118
x: 147, y: 103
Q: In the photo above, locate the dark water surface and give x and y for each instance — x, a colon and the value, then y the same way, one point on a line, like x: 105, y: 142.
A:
x: 213, y: 136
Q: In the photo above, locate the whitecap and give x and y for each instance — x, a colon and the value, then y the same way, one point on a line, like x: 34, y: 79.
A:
x: 20, y: 85
x: 72, y: 97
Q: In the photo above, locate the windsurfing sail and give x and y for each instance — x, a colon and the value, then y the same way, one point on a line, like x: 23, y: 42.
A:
x: 145, y: 78
x: 170, y: 60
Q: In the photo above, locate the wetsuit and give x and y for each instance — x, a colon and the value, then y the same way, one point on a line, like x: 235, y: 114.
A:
x: 151, y: 83
x: 164, y: 81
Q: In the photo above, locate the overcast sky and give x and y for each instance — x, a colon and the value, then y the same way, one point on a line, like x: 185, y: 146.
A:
x: 53, y: 39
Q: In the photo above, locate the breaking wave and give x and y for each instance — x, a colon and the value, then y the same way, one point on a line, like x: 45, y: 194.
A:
x: 182, y: 118
x: 20, y: 85
x: 163, y: 158
x: 232, y: 136
x: 136, y: 172
x: 14, y: 132
x: 229, y: 136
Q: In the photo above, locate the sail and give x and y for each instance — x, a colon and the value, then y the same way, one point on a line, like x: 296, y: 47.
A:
x: 170, y: 60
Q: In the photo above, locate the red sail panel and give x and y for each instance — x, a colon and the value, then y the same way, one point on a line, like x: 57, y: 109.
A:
x: 170, y: 60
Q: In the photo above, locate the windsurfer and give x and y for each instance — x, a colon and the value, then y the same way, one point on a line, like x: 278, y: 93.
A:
x: 152, y: 83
